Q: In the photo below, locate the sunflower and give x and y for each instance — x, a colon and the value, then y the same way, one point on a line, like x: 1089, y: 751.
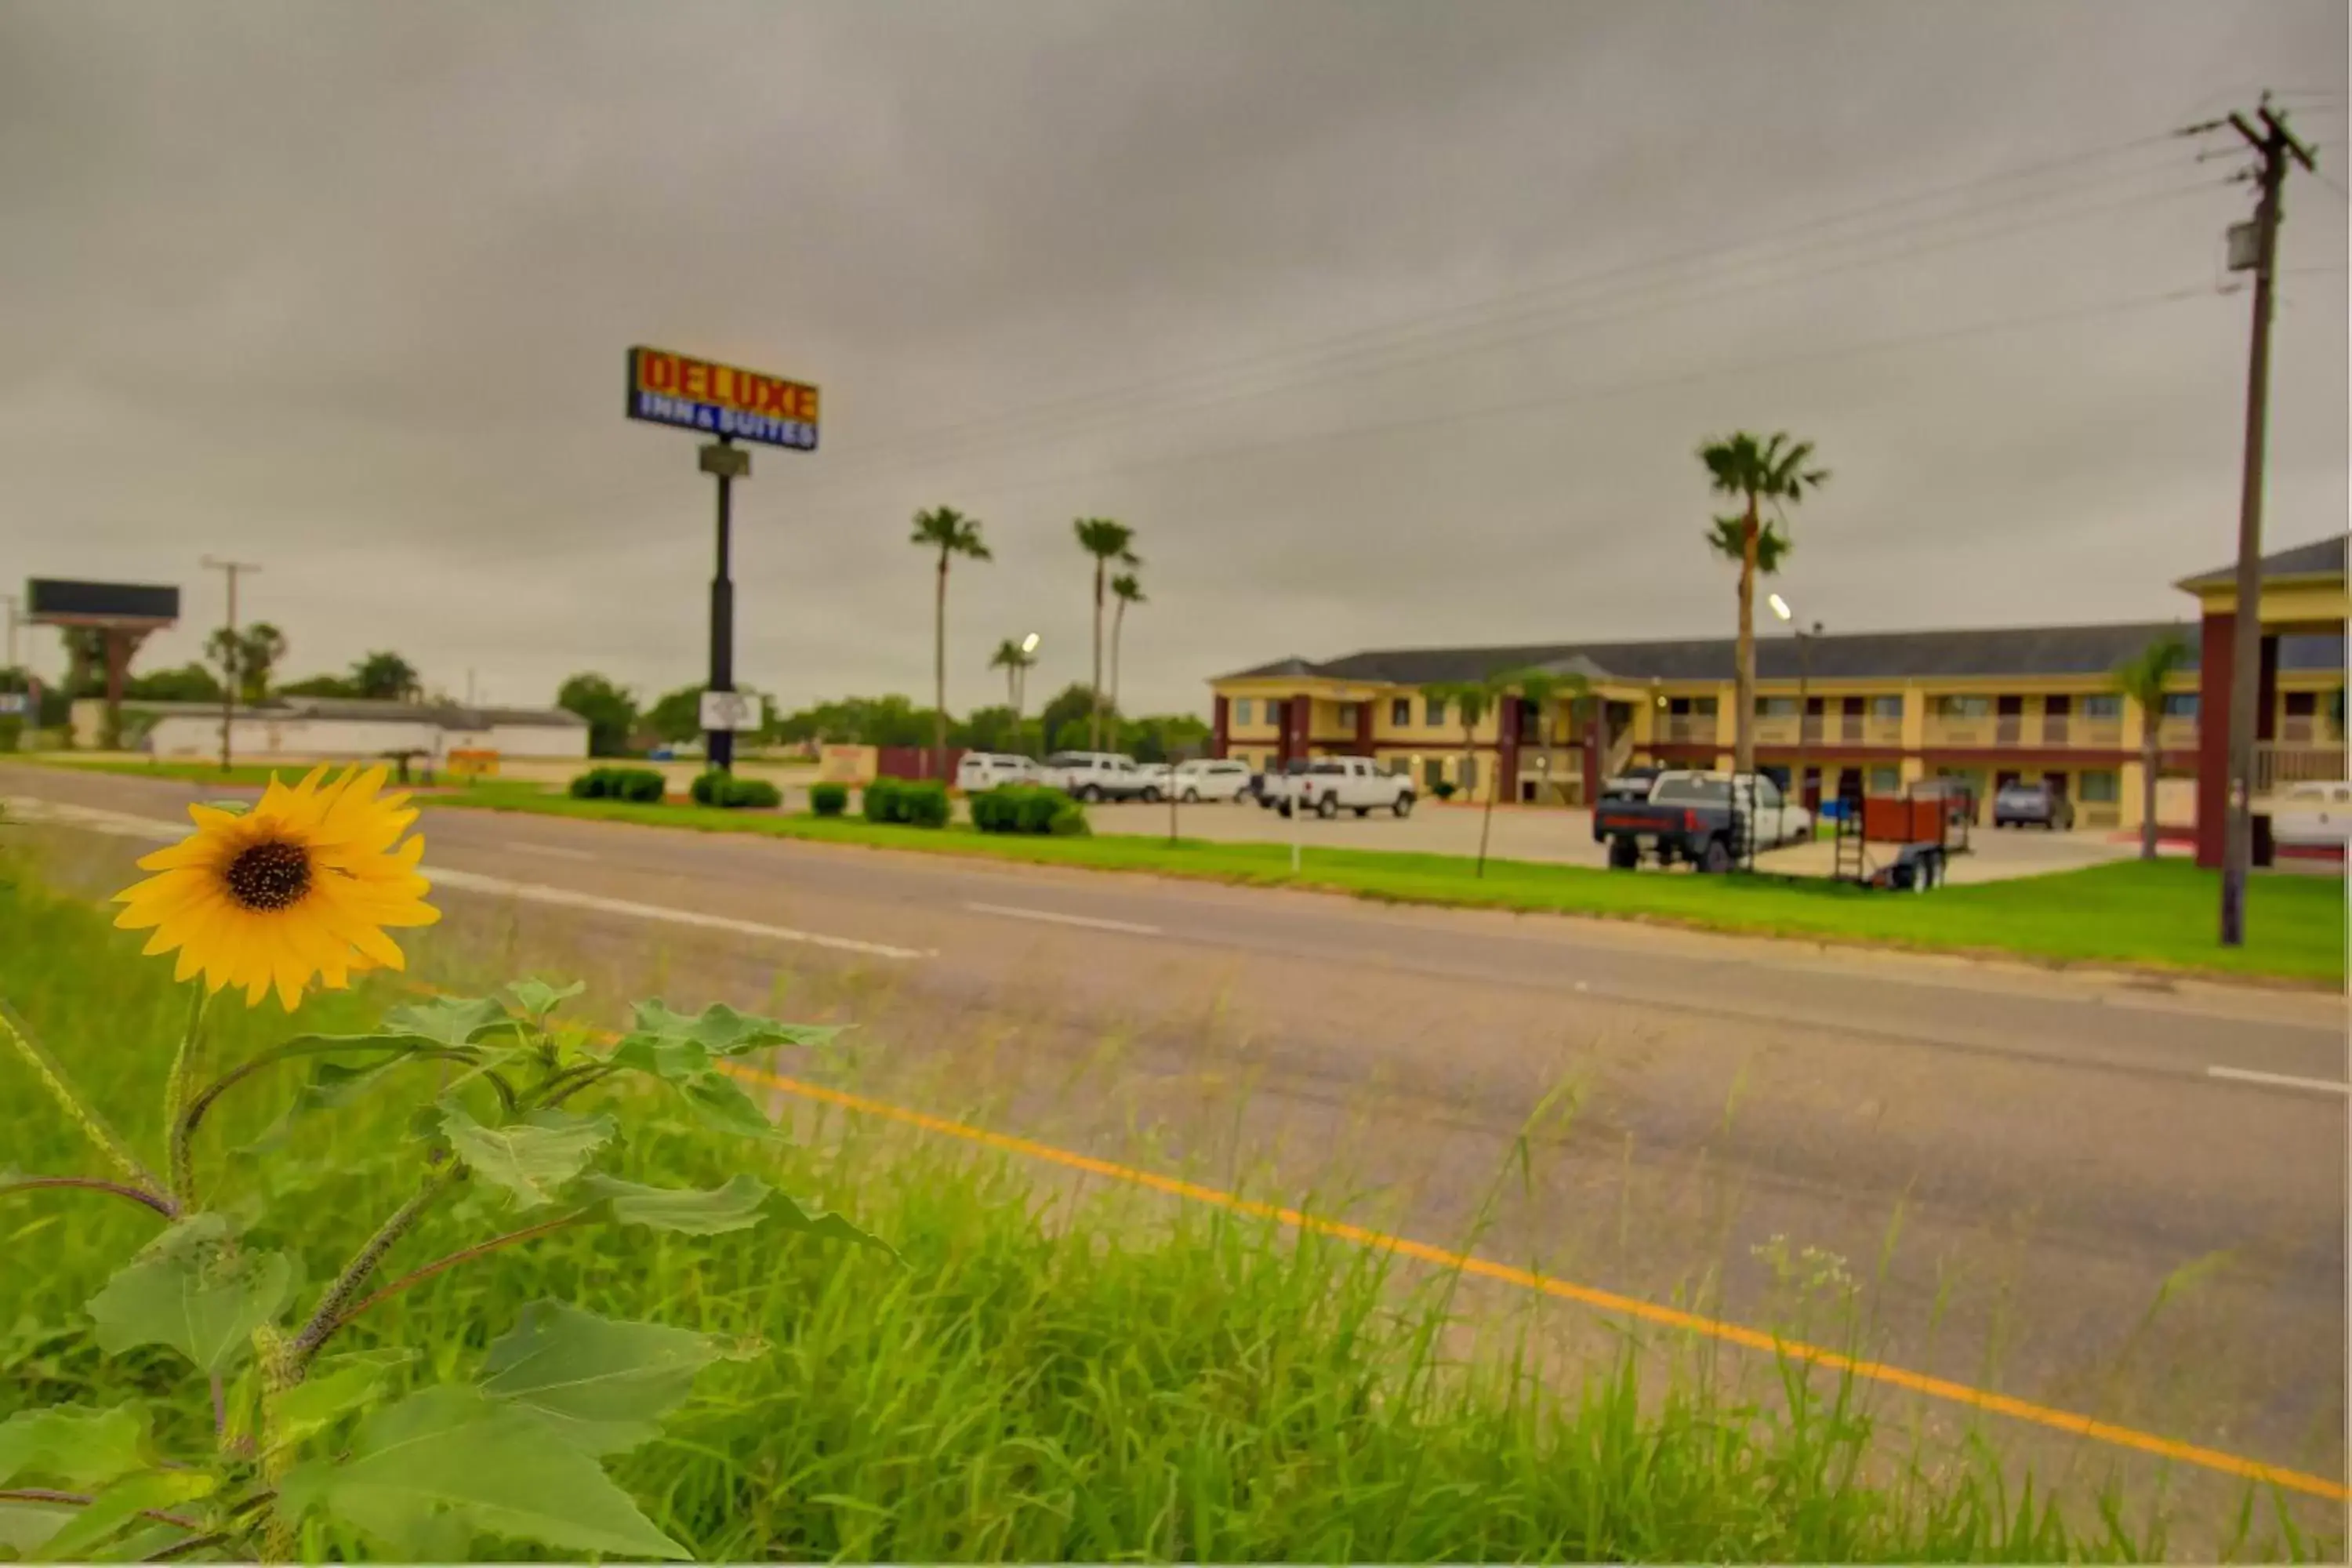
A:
x: 300, y: 888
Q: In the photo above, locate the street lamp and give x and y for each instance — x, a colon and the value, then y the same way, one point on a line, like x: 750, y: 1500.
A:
x: 1021, y: 688
x: 1804, y: 679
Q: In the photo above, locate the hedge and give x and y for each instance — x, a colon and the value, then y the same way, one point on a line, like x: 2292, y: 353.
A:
x: 828, y: 799
x: 909, y: 802
x: 729, y: 792
x: 1028, y: 808
x: 646, y: 786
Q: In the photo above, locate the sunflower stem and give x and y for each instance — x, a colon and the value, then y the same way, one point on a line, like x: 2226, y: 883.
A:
x: 330, y: 1311
x: 161, y: 1205
x: 185, y: 1066
x: 61, y: 1088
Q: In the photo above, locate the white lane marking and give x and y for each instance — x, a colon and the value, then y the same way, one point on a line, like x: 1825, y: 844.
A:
x: 558, y: 851
x: 124, y: 826
x: 1015, y: 912
x: 2280, y: 1080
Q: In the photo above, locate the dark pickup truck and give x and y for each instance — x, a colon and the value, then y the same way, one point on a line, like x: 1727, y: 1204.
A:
x: 1691, y: 817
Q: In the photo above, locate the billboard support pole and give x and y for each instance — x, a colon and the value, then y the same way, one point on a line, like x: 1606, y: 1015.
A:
x: 724, y: 463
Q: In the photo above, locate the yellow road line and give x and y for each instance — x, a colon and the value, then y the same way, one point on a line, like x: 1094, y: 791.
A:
x: 1606, y: 1300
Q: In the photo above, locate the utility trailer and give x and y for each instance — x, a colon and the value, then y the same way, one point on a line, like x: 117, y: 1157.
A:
x: 1904, y: 842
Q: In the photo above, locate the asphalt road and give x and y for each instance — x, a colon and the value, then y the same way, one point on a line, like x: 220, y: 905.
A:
x: 2010, y: 1164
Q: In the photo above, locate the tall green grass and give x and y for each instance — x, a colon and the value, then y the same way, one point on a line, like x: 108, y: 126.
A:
x: 1055, y: 1372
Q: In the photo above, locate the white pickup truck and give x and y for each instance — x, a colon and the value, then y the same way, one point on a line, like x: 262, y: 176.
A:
x: 1331, y: 785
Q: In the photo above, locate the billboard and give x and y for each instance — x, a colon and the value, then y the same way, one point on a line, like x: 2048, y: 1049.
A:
x: 721, y: 400
x: 60, y: 602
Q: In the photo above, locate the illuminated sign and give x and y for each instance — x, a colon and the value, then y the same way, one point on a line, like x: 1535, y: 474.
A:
x: 721, y: 400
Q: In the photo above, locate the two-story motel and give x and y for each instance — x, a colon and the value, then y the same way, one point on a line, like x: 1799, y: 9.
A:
x: 1880, y: 710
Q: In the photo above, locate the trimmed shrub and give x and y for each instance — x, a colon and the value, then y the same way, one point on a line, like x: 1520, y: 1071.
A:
x: 729, y: 792
x: 1442, y: 789
x: 643, y: 785
x: 1028, y: 808
x: 828, y: 799
x: 907, y: 802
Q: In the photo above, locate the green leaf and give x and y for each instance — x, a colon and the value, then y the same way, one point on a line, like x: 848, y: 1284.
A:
x: 117, y: 1505
x: 190, y: 1288
x: 539, y: 998
x: 721, y: 1031
x: 336, y: 1386
x: 718, y: 1101
x: 602, y: 1383
x: 70, y: 1444
x: 451, y: 1451
x: 532, y: 1159
x: 24, y: 1526
x: 453, y: 1021
x: 827, y: 1226
x: 735, y: 1206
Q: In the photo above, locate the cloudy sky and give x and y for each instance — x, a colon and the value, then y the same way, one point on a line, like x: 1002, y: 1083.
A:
x: 1383, y: 323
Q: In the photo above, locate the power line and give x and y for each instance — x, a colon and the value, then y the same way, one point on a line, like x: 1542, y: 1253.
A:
x: 1592, y: 313
x: 1774, y: 363
x: 1434, y: 322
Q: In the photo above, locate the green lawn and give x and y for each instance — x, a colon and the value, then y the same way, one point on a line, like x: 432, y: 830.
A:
x: 1091, y: 1378
x: 2159, y: 915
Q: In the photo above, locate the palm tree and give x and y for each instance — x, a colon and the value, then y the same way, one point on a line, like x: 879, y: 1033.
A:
x: 2142, y: 679
x: 1106, y: 541
x: 1127, y: 590
x: 1468, y: 698
x: 1756, y: 472
x: 1014, y: 661
x: 950, y: 533
x: 1541, y: 687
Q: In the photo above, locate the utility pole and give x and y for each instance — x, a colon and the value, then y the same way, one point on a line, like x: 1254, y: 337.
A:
x: 10, y: 600
x: 229, y: 651
x: 2269, y: 138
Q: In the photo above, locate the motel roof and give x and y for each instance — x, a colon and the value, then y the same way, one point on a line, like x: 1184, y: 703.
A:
x: 2021, y: 651
x: 2321, y: 560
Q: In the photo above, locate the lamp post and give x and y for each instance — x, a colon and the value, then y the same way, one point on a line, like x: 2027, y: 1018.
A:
x: 1804, y: 679
x: 1021, y: 689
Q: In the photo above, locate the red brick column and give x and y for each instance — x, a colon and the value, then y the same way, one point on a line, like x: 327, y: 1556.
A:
x: 2212, y: 739
x: 1364, y: 728
x: 1217, y: 729
x: 1596, y: 749
x: 1298, y: 725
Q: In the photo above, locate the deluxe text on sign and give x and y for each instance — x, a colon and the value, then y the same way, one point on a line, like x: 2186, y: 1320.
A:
x: 720, y: 399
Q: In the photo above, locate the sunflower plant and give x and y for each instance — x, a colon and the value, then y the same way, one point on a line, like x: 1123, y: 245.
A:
x: 317, y: 1432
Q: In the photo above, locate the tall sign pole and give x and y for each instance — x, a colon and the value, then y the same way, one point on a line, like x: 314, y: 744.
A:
x: 733, y: 405
x: 228, y: 651
x: 2274, y: 146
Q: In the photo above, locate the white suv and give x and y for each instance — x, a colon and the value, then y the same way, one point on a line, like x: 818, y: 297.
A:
x: 1331, y: 785
x: 1100, y: 775
x: 985, y: 770
x: 1211, y: 778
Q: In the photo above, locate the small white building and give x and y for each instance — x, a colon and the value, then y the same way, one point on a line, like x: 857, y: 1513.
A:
x: 349, y: 729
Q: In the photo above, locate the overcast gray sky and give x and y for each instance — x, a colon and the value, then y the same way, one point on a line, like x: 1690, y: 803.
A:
x: 1383, y: 323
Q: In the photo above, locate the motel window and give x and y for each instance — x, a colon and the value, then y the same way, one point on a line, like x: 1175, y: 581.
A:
x: 2301, y: 704
x: 1240, y: 710
x: 2181, y: 705
x: 1401, y: 766
x: 1964, y: 707
x: 2106, y: 705
x: 1885, y: 781
x: 1432, y: 772
x: 1469, y: 774
x: 1434, y: 710
x: 1401, y: 712
x: 1347, y: 711
x: 1776, y: 708
x: 2100, y: 787
x: 1886, y: 708
x: 1274, y: 712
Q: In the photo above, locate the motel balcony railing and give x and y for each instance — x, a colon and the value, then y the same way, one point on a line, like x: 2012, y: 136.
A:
x: 2278, y: 763
x: 1687, y: 729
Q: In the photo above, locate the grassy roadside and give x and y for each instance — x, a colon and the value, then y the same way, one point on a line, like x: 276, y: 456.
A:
x: 1103, y: 1383
x: 2156, y: 916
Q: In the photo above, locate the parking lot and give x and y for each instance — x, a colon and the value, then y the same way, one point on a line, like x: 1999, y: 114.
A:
x: 1563, y: 835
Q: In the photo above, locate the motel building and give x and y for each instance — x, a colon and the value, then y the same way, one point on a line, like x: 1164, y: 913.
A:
x: 1883, y: 709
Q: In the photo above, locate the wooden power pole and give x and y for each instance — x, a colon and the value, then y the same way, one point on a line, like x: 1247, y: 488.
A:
x: 230, y: 569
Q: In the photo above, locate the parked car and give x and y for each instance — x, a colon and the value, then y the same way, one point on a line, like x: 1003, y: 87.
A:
x: 1211, y: 778
x: 1699, y: 817
x: 980, y: 771
x: 1332, y: 785
x: 2032, y: 805
x: 1268, y: 788
x: 1634, y: 784
x: 2313, y: 815
x: 1099, y: 775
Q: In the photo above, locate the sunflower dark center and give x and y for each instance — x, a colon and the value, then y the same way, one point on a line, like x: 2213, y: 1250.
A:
x: 270, y: 875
